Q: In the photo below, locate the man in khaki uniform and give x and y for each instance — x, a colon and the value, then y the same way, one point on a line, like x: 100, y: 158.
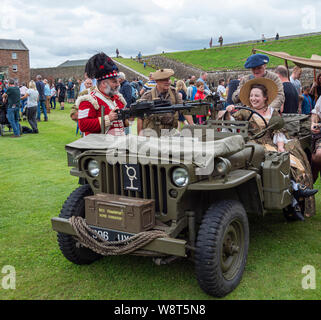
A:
x: 163, y: 90
x: 257, y: 63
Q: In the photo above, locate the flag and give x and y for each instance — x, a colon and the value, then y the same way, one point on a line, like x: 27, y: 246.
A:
x: 211, y: 42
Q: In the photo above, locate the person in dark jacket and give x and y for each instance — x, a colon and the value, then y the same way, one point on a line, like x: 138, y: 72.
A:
x: 42, y: 99
x: 291, y: 101
x: 125, y: 89
x: 231, y: 88
x: 12, y: 97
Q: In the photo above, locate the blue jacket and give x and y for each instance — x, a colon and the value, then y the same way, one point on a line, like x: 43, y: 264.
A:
x: 41, y: 89
x: 126, y: 91
x: 307, y: 104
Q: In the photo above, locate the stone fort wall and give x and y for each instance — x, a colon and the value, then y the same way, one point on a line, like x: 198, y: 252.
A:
x: 76, y: 72
x: 182, y: 71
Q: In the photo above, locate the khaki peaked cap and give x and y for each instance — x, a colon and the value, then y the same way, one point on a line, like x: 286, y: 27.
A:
x: 162, y: 74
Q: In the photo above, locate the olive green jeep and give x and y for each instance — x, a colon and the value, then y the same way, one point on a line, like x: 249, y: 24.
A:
x: 199, y: 201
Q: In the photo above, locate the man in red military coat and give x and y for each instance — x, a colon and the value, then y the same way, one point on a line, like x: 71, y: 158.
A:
x: 106, y: 94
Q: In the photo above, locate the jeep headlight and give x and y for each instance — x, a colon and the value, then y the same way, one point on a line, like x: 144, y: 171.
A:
x: 180, y: 177
x: 222, y: 166
x: 93, y: 168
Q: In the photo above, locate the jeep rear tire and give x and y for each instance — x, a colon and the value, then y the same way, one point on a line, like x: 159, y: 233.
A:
x: 71, y: 249
x: 222, y: 248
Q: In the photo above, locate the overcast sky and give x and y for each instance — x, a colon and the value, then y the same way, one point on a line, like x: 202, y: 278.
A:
x: 59, y: 30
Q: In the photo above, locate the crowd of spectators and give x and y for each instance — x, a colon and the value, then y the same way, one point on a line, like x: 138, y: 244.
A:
x: 298, y: 99
x: 28, y: 102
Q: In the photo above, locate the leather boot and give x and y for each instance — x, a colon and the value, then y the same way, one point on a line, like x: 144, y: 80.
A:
x: 304, y: 192
x: 293, y: 213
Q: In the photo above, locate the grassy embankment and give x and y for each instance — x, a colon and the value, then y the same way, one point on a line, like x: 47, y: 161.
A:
x: 35, y: 182
x: 139, y: 67
x: 234, y: 57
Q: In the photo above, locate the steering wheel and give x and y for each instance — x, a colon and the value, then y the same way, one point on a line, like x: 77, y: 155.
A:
x: 263, y: 131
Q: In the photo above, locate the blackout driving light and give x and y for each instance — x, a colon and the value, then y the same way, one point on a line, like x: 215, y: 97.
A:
x: 93, y: 168
x: 180, y: 177
x: 222, y: 166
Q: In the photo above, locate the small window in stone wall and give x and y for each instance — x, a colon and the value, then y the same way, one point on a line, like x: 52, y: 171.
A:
x: 14, y: 55
x: 14, y: 68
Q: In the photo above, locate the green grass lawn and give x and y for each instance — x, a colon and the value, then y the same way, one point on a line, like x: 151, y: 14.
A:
x: 35, y: 182
x: 234, y: 57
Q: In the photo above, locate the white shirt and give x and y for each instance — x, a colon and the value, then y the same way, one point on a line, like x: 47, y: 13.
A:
x: 297, y: 84
x: 317, y: 108
x: 221, y: 90
x: 33, y: 96
x: 23, y: 90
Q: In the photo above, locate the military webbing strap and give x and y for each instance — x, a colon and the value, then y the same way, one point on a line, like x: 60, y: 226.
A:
x: 171, y: 94
x: 154, y: 122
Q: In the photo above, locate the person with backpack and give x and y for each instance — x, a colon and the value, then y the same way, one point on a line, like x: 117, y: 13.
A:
x: 70, y: 91
x: 135, y: 95
x: 127, y: 91
x: 191, y: 90
x: 61, y: 92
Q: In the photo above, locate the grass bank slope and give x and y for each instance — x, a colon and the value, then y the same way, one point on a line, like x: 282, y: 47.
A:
x: 139, y: 67
x: 231, y: 57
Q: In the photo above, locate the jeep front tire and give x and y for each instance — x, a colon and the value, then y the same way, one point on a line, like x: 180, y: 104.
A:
x: 222, y: 248
x: 70, y: 248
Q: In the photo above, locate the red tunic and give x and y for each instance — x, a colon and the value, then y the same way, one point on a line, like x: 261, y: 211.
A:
x: 90, y: 110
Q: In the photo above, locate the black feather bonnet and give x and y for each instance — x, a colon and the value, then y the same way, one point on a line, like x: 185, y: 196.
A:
x: 101, y: 67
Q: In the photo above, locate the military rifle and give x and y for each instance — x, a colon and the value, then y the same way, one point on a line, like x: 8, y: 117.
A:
x: 143, y: 108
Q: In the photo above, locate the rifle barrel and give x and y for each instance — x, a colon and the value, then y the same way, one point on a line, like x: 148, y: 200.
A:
x: 157, y: 108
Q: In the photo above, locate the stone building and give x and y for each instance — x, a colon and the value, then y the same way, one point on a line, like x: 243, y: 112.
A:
x: 14, y: 60
x: 73, y: 63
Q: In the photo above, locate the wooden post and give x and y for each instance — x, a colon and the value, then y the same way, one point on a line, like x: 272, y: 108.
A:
x: 287, y: 67
x: 315, y: 89
x: 102, y: 120
x: 314, y: 75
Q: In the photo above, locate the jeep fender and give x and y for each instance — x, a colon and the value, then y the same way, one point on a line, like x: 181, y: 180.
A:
x: 243, y: 185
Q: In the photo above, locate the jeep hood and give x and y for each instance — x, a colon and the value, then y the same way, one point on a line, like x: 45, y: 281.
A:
x: 176, y: 149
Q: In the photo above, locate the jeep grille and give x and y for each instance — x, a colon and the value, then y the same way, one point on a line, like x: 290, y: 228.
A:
x: 153, y: 183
